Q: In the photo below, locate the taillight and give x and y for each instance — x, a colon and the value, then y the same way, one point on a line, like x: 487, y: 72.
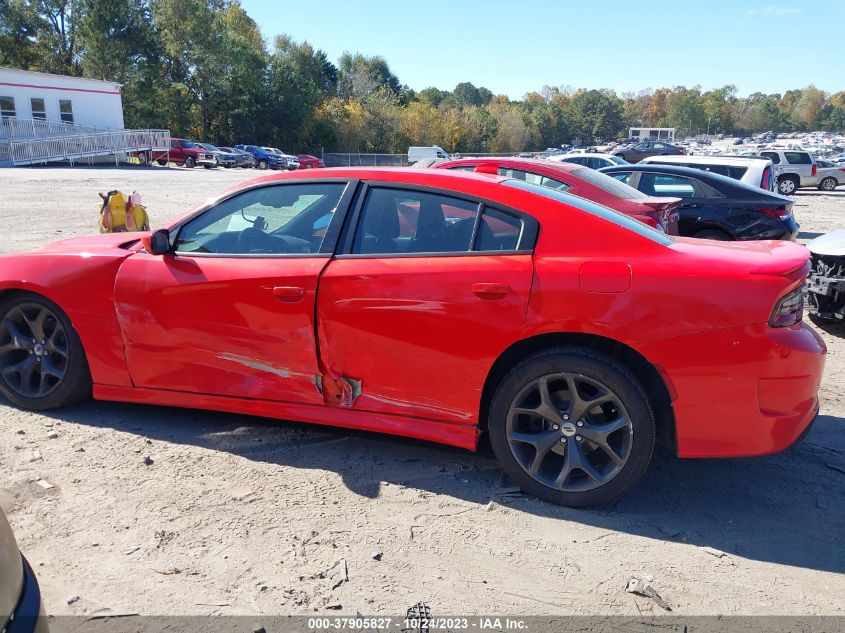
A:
x: 776, y: 214
x: 815, y: 170
x: 766, y: 182
x: 789, y: 310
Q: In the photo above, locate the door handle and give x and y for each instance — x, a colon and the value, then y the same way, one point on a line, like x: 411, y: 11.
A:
x: 491, y: 290
x: 289, y: 294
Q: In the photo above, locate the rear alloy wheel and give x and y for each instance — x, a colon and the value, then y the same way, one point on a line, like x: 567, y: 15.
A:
x: 190, y: 162
x: 828, y: 184
x: 713, y: 234
x: 572, y: 426
x: 144, y: 158
x: 787, y: 185
x: 42, y: 363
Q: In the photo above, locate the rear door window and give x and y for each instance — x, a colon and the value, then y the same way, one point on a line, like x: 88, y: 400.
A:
x: 534, y: 178
x: 667, y: 185
x: 798, y: 158
x: 775, y: 158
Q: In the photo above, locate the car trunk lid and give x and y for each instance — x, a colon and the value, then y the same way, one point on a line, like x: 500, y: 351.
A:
x: 764, y: 257
x: 665, y: 211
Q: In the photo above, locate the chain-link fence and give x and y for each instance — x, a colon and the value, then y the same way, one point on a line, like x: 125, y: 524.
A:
x: 365, y: 160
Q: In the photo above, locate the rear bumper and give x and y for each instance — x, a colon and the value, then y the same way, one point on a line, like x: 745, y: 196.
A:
x: 29, y: 614
x: 750, y: 390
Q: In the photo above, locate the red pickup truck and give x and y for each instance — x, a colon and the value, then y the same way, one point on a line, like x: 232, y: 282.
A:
x: 182, y: 152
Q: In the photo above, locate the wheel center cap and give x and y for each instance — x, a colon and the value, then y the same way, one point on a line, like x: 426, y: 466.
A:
x: 38, y: 349
x: 568, y: 429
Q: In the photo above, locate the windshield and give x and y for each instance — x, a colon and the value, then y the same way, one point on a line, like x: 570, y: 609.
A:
x: 608, y: 184
x: 591, y: 207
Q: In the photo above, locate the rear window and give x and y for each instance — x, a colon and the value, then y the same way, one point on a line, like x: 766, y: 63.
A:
x: 535, y: 178
x: 596, y: 209
x: 608, y: 184
x: 798, y: 158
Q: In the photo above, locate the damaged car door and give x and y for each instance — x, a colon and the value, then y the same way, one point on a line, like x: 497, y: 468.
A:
x: 425, y: 292
x: 230, y: 309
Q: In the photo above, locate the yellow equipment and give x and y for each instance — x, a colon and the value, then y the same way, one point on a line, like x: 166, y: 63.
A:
x: 120, y: 213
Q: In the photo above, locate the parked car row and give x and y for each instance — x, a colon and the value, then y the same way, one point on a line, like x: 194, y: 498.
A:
x: 190, y: 154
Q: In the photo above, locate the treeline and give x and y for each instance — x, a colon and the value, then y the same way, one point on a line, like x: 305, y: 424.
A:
x: 203, y: 69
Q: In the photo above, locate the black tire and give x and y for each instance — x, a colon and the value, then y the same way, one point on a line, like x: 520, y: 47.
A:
x: 190, y: 162
x: 63, y: 343
x: 262, y: 164
x: 713, y: 234
x: 161, y: 162
x: 787, y: 185
x: 630, y: 403
x: 144, y: 158
x: 828, y: 184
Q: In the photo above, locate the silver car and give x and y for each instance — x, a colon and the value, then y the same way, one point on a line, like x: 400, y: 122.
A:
x: 830, y: 175
x: 20, y: 597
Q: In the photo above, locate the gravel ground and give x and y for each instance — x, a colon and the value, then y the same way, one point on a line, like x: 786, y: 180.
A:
x: 235, y: 515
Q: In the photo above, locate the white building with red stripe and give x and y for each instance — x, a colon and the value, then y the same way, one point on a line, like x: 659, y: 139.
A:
x: 59, y: 98
x: 58, y: 119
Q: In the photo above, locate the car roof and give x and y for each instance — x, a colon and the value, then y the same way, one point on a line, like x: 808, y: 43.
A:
x: 707, y: 160
x: 717, y: 181
x: 523, y: 162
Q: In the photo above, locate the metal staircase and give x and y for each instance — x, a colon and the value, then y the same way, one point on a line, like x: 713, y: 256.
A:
x: 34, y: 142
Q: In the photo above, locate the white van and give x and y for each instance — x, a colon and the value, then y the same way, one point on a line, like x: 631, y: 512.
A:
x: 416, y: 154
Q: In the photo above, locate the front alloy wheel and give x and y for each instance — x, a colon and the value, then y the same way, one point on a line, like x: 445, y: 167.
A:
x: 42, y: 363
x: 572, y: 426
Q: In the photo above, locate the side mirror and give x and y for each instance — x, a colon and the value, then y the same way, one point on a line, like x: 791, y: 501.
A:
x: 157, y: 242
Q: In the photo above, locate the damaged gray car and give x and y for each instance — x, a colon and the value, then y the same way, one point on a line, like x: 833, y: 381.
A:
x: 825, y: 287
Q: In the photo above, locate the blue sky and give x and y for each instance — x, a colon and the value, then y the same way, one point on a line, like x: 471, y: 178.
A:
x: 515, y: 46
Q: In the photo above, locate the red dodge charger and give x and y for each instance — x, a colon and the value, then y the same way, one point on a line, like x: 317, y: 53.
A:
x: 433, y: 304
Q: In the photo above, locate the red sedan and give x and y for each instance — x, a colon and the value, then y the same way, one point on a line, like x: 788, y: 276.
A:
x: 306, y: 161
x: 572, y: 334
x: 661, y: 213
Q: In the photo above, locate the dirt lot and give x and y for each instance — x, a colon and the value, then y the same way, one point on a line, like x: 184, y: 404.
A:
x: 240, y: 516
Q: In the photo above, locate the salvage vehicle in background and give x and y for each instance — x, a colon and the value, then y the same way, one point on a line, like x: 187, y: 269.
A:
x: 307, y: 161
x: 224, y: 158
x: 184, y: 152
x: 793, y: 169
x: 263, y: 158
x: 286, y: 161
x: 658, y: 212
x: 572, y: 334
x: 242, y: 158
x: 829, y: 175
x: 754, y: 171
x: 21, y: 609
x: 714, y: 207
x: 638, y: 151
x: 593, y: 161
x: 825, y: 286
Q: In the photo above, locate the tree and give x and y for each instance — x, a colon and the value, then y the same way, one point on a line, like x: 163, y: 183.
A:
x: 595, y: 115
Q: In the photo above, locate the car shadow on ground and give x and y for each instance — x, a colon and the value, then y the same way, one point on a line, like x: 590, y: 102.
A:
x: 787, y: 508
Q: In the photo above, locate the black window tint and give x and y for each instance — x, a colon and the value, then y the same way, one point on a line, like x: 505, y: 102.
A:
x: 666, y: 185
x: 498, y: 231
x: 536, y: 179
x: 608, y: 184
x: 39, y: 111
x: 798, y: 158
x: 66, y: 110
x: 399, y: 221
x: 272, y: 220
x: 773, y: 156
x: 737, y: 172
x: 7, y: 106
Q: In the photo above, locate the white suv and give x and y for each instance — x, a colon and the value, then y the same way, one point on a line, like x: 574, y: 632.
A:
x: 757, y: 172
x: 793, y: 169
